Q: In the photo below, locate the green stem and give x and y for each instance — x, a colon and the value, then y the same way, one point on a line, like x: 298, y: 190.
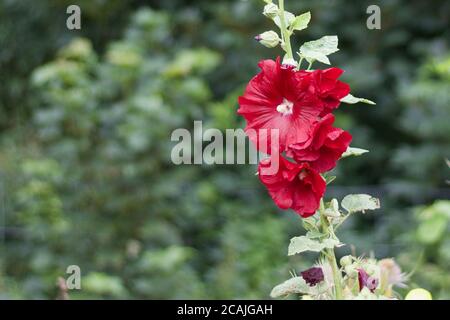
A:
x: 337, y: 276
x: 300, y: 63
x: 284, y: 31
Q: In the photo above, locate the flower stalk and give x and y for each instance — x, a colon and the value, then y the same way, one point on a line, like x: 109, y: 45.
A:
x: 329, y: 253
x: 285, y: 35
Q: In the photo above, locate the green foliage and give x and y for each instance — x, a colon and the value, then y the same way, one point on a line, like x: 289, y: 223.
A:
x: 301, y: 22
x: 100, y: 191
x: 319, y: 49
x: 291, y: 286
x: 360, y: 203
x: 304, y: 243
x: 427, y: 251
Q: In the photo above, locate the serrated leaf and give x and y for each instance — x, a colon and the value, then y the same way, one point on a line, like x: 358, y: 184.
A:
x: 319, y: 49
x: 331, y: 243
x: 360, y: 203
x: 301, y: 22
x: 350, y: 99
x: 294, y: 285
x: 303, y: 243
x: 288, y: 18
x: 353, y: 152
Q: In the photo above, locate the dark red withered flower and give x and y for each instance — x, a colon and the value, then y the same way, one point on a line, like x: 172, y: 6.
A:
x: 313, y: 276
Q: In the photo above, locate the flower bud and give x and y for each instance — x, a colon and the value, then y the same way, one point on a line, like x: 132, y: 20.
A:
x: 270, y: 10
x: 332, y: 209
x: 335, y: 205
x: 346, y: 261
x: 351, y: 271
x: 289, y: 63
x: 418, y: 294
x: 268, y: 39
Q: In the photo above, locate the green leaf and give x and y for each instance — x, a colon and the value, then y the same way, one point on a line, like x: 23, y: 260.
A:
x: 350, y: 99
x: 314, y: 234
x: 288, y: 18
x: 432, y: 230
x: 434, y: 220
x: 294, y: 285
x: 301, y: 22
x: 360, y: 202
x: 303, y: 243
x: 353, y: 152
x: 319, y: 49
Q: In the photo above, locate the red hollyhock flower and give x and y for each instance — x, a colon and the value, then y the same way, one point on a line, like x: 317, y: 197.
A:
x: 294, y: 186
x: 278, y: 98
x: 325, y: 146
x: 326, y: 86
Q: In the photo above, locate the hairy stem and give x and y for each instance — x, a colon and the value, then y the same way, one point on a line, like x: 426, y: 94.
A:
x: 284, y: 31
x: 331, y: 257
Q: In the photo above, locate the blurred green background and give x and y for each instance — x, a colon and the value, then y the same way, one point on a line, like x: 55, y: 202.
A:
x: 86, y: 117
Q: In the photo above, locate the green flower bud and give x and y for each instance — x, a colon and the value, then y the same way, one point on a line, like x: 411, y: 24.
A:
x: 268, y: 39
x: 332, y: 209
x: 346, y: 261
x: 335, y: 205
x: 351, y: 271
x: 270, y: 10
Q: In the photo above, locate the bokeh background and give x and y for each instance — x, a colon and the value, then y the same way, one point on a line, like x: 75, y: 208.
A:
x: 86, y: 117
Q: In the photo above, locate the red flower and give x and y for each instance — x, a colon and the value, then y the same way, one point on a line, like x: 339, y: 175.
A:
x: 326, y: 86
x: 278, y: 98
x: 293, y: 185
x: 325, y: 146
